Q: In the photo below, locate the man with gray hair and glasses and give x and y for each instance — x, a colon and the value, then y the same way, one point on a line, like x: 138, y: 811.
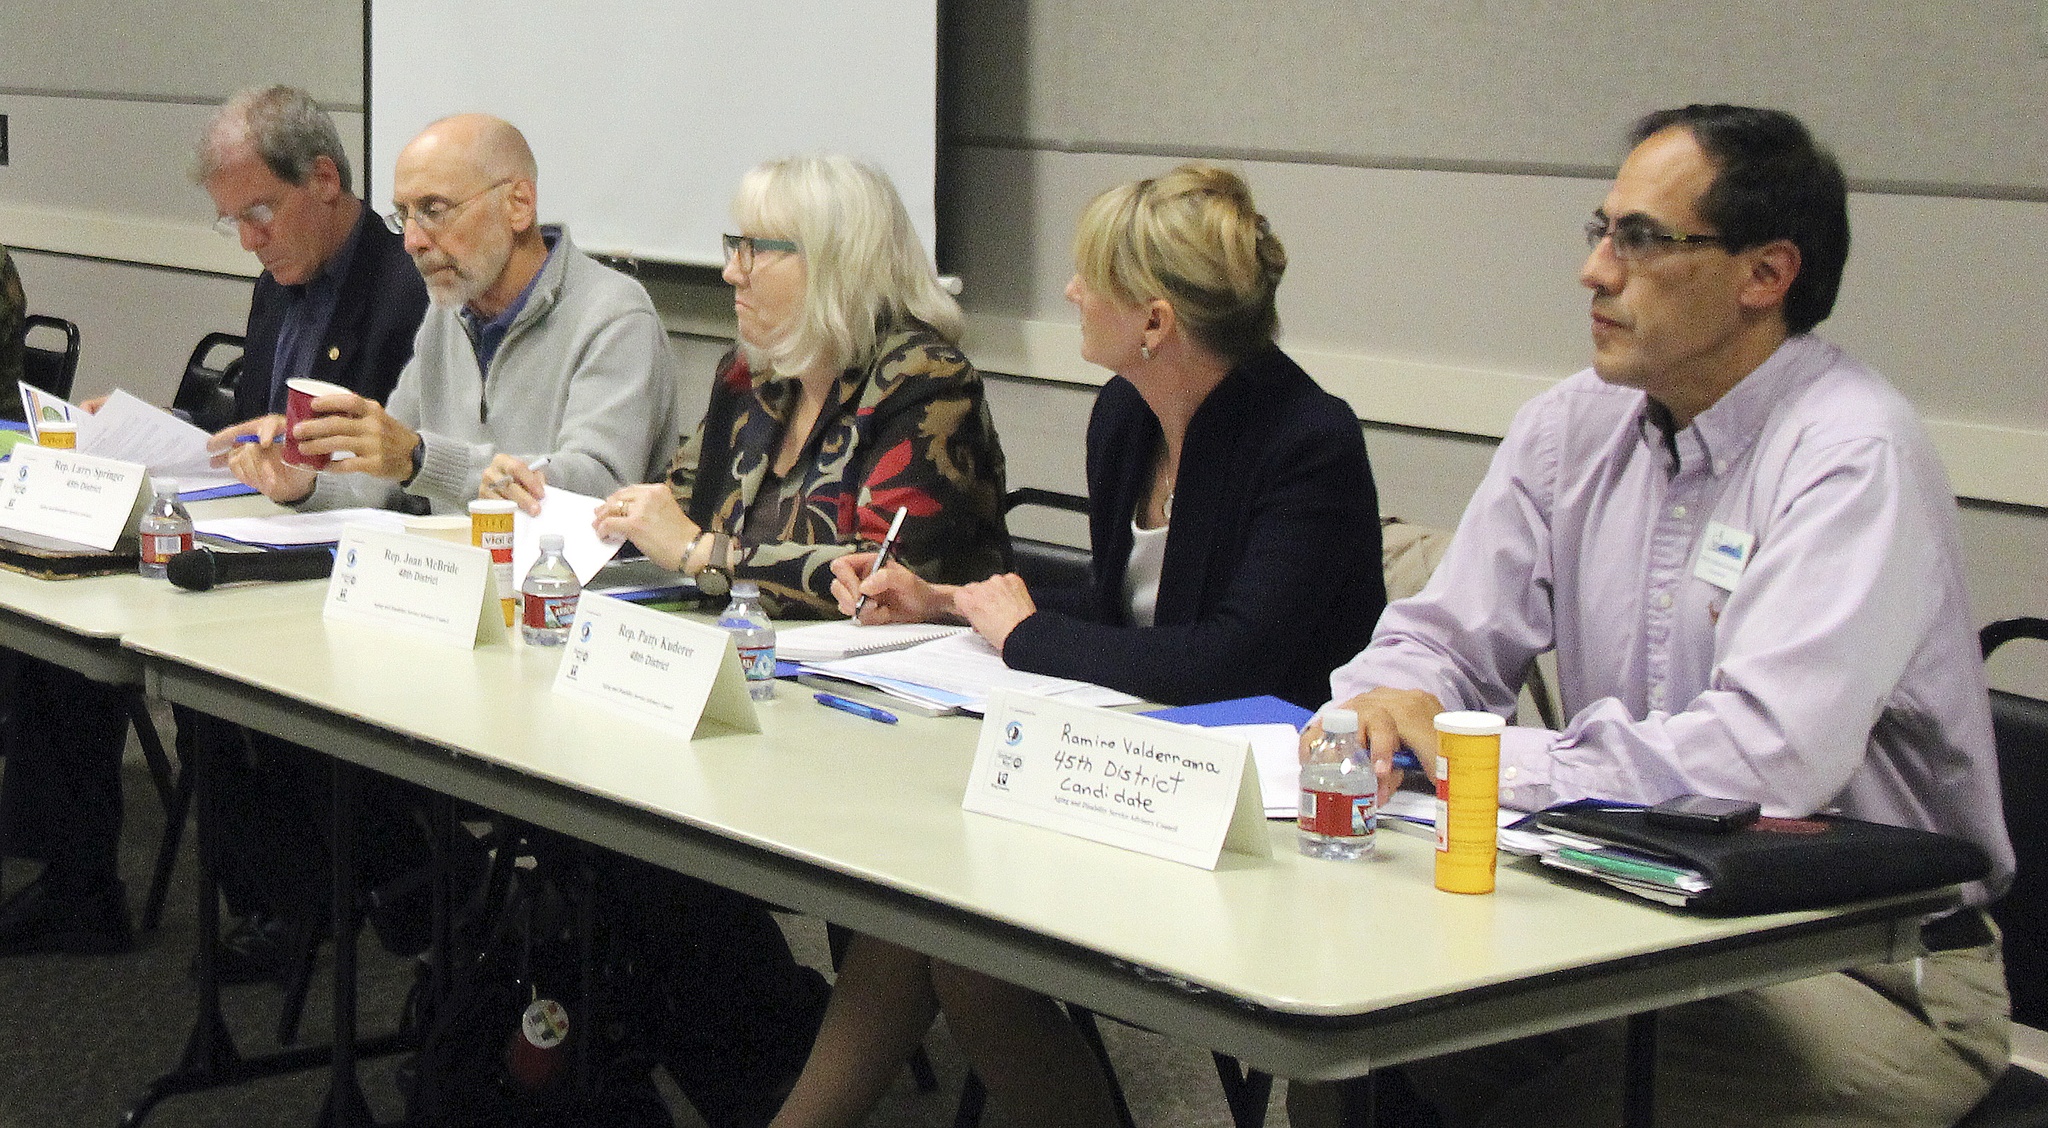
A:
x: 531, y: 349
x: 338, y: 299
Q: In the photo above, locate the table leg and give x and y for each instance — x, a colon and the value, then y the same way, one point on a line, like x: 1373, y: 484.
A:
x: 210, y: 1059
x: 1639, y: 1072
x: 1355, y: 1102
x: 345, y: 1107
x: 1245, y: 1091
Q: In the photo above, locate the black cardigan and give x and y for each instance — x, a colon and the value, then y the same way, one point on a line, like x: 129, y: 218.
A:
x: 369, y: 337
x: 1272, y: 572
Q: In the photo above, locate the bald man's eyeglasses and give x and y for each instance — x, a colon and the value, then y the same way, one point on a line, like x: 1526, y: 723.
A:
x: 1635, y: 238
x: 740, y: 249
x: 434, y: 213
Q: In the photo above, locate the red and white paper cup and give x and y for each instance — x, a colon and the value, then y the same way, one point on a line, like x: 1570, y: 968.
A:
x: 298, y: 407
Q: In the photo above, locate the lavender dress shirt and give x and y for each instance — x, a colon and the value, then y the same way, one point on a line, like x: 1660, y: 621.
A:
x: 1834, y: 666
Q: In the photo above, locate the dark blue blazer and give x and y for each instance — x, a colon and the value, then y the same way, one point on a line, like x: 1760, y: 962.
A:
x: 369, y: 338
x: 1272, y: 576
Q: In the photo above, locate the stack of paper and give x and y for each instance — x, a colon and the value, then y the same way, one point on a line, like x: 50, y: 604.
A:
x: 131, y: 430
x: 292, y: 530
x: 1652, y: 876
x: 961, y: 669
x: 831, y: 642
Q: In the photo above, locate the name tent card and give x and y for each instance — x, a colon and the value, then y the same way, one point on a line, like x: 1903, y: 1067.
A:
x: 70, y: 496
x: 669, y: 671
x: 419, y: 585
x: 1123, y: 780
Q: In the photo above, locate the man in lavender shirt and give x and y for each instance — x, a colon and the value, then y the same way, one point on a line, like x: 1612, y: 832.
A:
x: 1743, y: 548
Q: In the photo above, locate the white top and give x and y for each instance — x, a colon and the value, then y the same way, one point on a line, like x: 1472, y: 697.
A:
x: 1141, y: 575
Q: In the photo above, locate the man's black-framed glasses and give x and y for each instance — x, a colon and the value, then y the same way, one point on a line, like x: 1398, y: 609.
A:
x: 1636, y: 237
x: 740, y: 249
x: 435, y: 213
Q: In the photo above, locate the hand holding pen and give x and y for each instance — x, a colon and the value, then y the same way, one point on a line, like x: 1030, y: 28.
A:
x: 516, y: 481
x: 882, y: 557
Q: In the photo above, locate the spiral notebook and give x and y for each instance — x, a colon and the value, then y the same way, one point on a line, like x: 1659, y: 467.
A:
x: 830, y: 642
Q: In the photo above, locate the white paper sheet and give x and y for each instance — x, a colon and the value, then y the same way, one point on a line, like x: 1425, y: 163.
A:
x: 1276, y: 748
x: 129, y: 429
x: 966, y: 664
x: 568, y: 513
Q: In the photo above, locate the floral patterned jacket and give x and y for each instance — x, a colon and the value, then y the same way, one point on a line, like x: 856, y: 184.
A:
x: 910, y: 429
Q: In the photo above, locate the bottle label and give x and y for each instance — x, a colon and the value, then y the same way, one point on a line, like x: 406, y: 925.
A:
x: 758, y: 662
x: 158, y: 548
x: 1337, y: 815
x: 1443, y: 804
x: 548, y: 612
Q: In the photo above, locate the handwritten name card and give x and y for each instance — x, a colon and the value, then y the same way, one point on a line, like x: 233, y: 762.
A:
x: 1123, y: 780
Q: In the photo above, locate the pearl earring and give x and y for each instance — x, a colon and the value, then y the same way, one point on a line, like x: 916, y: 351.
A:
x: 1145, y: 351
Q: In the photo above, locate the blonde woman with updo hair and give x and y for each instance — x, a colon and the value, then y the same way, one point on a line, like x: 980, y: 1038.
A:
x: 1236, y: 552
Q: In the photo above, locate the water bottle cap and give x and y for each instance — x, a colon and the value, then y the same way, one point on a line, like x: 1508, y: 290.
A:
x: 551, y: 542
x: 162, y: 486
x: 1340, y: 721
x: 746, y: 589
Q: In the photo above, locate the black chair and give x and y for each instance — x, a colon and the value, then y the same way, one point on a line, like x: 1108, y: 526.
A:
x: 1045, y: 563
x: 2020, y: 1099
x: 2021, y: 724
x: 51, y: 368
x: 206, y: 393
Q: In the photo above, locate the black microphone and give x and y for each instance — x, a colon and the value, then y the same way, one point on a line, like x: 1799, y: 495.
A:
x: 201, y: 568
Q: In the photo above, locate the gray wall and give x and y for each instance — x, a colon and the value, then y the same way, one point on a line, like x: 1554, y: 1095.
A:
x: 1427, y: 167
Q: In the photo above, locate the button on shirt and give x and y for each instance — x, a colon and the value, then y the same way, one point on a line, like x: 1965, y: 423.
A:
x: 1841, y: 672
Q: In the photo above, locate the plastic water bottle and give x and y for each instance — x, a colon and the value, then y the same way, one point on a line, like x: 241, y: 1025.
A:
x: 1339, y: 792
x: 165, y: 529
x: 547, y: 596
x: 755, y: 637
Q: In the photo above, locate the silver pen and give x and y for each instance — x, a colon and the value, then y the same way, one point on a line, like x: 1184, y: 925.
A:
x: 882, y: 557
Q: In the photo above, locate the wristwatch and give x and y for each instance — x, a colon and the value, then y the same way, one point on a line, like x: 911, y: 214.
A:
x: 713, y: 579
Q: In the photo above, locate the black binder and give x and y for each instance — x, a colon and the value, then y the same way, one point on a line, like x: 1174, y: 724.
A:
x: 52, y: 559
x: 1775, y: 865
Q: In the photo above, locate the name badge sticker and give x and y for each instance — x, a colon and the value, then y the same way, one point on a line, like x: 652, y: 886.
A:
x: 1133, y: 782
x: 1724, y: 553
x: 663, y: 669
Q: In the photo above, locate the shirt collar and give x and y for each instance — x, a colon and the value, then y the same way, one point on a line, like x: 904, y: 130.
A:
x: 502, y: 322
x: 1719, y: 435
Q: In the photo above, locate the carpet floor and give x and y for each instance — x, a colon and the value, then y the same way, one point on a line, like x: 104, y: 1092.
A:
x: 82, y: 1037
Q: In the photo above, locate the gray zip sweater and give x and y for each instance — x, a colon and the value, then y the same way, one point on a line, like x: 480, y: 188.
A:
x: 585, y: 376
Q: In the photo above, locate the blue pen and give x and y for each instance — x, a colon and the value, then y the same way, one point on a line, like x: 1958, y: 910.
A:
x: 846, y: 705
